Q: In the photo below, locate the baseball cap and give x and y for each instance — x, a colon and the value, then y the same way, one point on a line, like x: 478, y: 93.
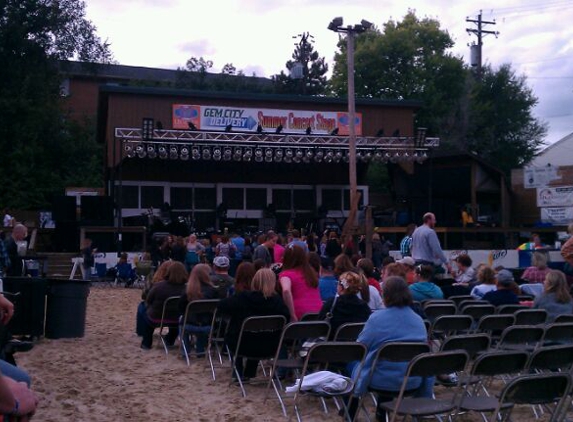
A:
x: 504, y: 277
x: 221, y: 262
x: 407, y: 260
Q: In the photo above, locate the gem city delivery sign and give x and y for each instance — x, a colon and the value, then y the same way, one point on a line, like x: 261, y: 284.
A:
x: 215, y: 118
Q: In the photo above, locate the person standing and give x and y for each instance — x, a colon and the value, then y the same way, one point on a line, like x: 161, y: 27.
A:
x: 88, y: 258
x: 12, y: 244
x: 567, y: 254
x: 426, y: 249
x: 406, y: 242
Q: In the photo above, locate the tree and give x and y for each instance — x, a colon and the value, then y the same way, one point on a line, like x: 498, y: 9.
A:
x: 502, y: 127
x: 312, y: 68
x: 34, y: 36
x: 407, y: 60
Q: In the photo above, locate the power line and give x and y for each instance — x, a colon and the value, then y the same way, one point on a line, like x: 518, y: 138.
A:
x: 477, y: 48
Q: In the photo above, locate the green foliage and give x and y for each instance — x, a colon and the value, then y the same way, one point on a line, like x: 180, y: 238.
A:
x: 41, y: 153
x: 313, y: 69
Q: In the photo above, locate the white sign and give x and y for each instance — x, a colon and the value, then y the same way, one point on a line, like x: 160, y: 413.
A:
x: 538, y: 177
x: 561, y: 196
x: 557, y: 215
x: 242, y: 119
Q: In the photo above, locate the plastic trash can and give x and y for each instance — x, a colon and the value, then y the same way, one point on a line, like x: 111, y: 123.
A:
x: 67, y: 305
x: 29, y: 305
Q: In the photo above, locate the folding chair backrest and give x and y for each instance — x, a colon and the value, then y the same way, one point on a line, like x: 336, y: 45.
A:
x: 530, y: 316
x: 256, y: 328
x: 471, y: 343
x: 491, y: 323
x: 510, y: 309
x: 433, y: 364
x: 470, y: 302
x: 521, y: 334
x: 452, y: 323
x: 500, y: 362
x: 551, y: 358
x: 429, y: 302
x: 170, y: 312
x: 197, y: 307
x: 564, y: 318
x: 559, y: 333
x: 310, y: 316
x: 349, y: 331
x: 460, y: 298
x: 303, y: 330
x: 433, y: 311
x: 536, y: 389
x: 478, y: 311
x: 400, y: 352
x: 330, y: 352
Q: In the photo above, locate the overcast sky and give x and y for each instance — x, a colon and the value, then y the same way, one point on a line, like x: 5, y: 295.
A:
x: 536, y: 37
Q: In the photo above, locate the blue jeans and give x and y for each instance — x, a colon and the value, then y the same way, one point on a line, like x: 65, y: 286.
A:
x: 17, y: 374
x: 201, y: 333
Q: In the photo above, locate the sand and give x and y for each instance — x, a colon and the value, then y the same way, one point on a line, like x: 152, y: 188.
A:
x: 105, y: 376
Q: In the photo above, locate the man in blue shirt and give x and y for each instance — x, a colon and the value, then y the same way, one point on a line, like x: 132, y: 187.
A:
x: 426, y: 249
x: 327, y: 282
x: 504, y: 294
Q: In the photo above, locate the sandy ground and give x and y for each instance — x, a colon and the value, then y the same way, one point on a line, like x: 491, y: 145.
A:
x: 105, y: 376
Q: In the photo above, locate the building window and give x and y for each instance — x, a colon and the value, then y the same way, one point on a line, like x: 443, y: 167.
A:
x: 152, y: 196
x: 304, y: 199
x: 256, y: 199
x: 233, y: 198
x: 282, y: 199
x: 205, y: 198
x: 347, y: 198
x: 332, y: 199
x: 129, y: 196
x: 182, y: 198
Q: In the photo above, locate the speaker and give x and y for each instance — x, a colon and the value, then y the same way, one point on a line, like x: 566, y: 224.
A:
x: 97, y: 210
x: 67, y: 236
x: 64, y: 208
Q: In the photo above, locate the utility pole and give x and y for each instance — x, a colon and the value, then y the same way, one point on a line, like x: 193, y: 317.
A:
x: 478, y: 48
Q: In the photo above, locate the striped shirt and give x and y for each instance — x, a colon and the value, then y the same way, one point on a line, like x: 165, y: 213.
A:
x: 406, y: 246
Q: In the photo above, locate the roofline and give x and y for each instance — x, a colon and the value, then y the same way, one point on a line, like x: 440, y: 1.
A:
x: 262, y: 97
x: 554, y: 144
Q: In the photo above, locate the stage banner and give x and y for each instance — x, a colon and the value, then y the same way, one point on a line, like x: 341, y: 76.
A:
x: 216, y: 118
x: 557, y: 215
x: 561, y: 196
x: 538, y: 177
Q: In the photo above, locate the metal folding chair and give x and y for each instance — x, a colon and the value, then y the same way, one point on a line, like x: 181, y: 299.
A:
x: 470, y: 302
x: 564, y: 318
x: 216, y: 341
x: 289, y: 355
x: 530, y: 317
x: 478, y: 311
x: 196, y: 308
x: 447, y: 325
x: 457, y: 299
x: 435, y: 310
x: 169, y: 318
x: 256, y: 329
x: 310, y: 316
x: 521, y: 337
x: 349, y: 331
x: 558, y: 333
x: 510, y: 309
x: 428, y: 365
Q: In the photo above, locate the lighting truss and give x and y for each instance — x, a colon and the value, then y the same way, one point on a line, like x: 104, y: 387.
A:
x: 288, y: 148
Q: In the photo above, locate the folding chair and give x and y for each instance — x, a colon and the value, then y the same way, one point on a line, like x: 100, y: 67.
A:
x: 564, y: 318
x: 256, y: 330
x: 447, y: 325
x: 349, y: 331
x: 391, y: 352
x: 460, y: 298
x: 521, y: 337
x: 428, y: 365
x: 473, y: 344
x: 322, y: 355
x: 486, y: 368
x: 292, y: 338
x: 143, y: 271
x: 510, y: 309
x: 169, y: 318
x: 494, y: 325
x: 551, y: 358
x: 310, y: 316
x: 428, y: 302
x: 530, y: 317
x: 434, y: 311
x: 216, y: 341
x: 558, y: 333
x: 537, y: 389
x: 478, y: 311
x: 196, y: 308
x: 470, y: 302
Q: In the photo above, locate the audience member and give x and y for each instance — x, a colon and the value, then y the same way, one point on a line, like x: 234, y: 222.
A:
x: 486, y: 282
x: 332, y: 248
x: 406, y: 242
x: 87, y: 252
x: 244, y: 276
x: 327, y: 282
x: 555, y: 299
x: 220, y: 277
x: 299, y: 283
x: 14, y: 246
x: 367, y: 267
x: 538, y: 270
x: 278, y: 249
x: 465, y: 274
x: 504, y: 295
x: 265, y: 250
x: 409, y: 266
x: 297, y: 241
x: 423, y: 288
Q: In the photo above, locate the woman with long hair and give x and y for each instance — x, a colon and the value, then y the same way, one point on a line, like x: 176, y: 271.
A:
x: 173, y: 285
x: 244, y: 276
x: 261, y: 300
x: 486, y: 282
x: 555, y: 299
x: 158, y: 276
x: 299, y: 283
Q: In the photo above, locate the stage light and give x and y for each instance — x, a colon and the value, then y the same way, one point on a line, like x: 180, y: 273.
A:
x: 184, y: 153
x: 217, y: 153
x: 279, y: 129
x: 147, y: 125
x: 346, y: 158
x: 329, y: 156
x: 268, y: 153
x: 238, y: 154
x: 259, y: 155
x: 422, y: 156
x: 162, y: 150
x: 206, y: 153
x: 394, y: 158
x: 334, y: 132
x: 151, y: 153
x: 248, y: 155
x: 319, y: 156
x: 128, y: 149
x: 173, y: 153
x: 140, y: 151
x: 192, y: 126
x: 338, y: 156
x: 228, y: 128
x: 195, y: 153
x: 298, y: 153
x: 367, y: 156
x: 279, y: 154
x: 227, y: 154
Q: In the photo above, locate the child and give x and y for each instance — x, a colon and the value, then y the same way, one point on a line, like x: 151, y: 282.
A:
x: 125, y: 272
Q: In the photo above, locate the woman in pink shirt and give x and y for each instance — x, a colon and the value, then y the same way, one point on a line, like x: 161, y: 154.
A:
x: 299, y: 283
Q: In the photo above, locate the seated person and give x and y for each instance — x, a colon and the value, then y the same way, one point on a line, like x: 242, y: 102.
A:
x: 504, y: 294
x: 409, y: 265
x: 381, y: 328
x: 261, y: 300
x: 555, y: 298
x: 220, y: 277
x: 465, y: 274
x: 124, y: 271
x: 346, y: 306
x: 327, y: 282
x: 538, y: 270
x: 486, y: 283
x: 17, y: 401
x: 173, y: 285
x: 534, y: 244
x: 423, y: 288
x: 366, y: 266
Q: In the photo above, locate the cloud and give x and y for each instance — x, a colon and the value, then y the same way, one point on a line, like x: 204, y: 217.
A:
x: 197, y: 48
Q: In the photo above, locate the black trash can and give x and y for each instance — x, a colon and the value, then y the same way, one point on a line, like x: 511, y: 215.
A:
x: 67, y: 305
x: 29, y: 305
